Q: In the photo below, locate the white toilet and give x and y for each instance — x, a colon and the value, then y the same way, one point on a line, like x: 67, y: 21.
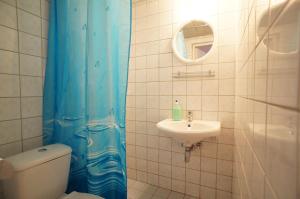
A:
x: 41, y: 173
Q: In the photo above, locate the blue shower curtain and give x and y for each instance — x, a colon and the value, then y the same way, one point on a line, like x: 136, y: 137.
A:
x: 85, y: 91
x: 181, y: 47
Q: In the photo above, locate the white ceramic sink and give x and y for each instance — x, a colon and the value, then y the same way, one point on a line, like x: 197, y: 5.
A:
x: 189, y: 133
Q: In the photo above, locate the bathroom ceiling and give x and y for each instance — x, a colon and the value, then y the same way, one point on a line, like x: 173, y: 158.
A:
x: 193, y: 29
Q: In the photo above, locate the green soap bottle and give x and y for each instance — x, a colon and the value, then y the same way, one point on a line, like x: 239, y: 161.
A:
x: 176, y: 111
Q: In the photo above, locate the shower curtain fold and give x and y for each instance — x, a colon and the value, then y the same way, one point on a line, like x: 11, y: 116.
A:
x: 85, y: 91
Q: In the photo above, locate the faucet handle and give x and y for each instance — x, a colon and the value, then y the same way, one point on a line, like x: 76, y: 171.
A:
x: 189, y: 116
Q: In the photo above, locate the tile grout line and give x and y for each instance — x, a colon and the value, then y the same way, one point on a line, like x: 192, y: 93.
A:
x: 23, y: 31
x: 272, y: 104
x: 21, y: 140
x: 22, y: 53
x: 27, y: 11
x: 41, y: 65
x: 20, y: 92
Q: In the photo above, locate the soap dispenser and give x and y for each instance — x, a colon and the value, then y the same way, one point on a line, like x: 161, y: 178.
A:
x: 176, y: 111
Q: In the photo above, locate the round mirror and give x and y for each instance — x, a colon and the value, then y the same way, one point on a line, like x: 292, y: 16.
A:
x: 193, y: 41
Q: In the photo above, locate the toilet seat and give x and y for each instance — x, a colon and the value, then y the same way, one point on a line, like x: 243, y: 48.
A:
x: 77, y: 195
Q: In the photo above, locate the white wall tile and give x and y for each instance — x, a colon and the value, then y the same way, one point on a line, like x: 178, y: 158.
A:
x: 210, y: 103
x: 30, y: 65
x: 194, y: 102
x: 227, y: 87
x: 10, y: 131
x: 140, y: 75
x: 44, y: 9
x: 31, y: 86
x: 141, y: 152
x: 193, y: 176
x: 179, y: 88
x: 152, y: 156
x: 141, y: 139
x: 178, y: 159
x: 152, y: 167
x: 206, y: 192
x: 11, y: 2
x: 165, y: 170
x: 31, y: 106
x: 165, y: 18
x: 208, y: 179
x: 152, y: 61
x: 194, y: 163
x: 141, y: 165
x: 9, y: 108
x: 165, y: 32
x: 7, y: 150
x: 178, y: 173
x: 30, y: 44
x: 44, y: 47
x: 153, y: 47
x: 165, y: 60
x: 210, y: 87
x: 153, y: 6
x: 192, y: 189
x: 209, y: 149
x: 8, y: 39
x: 209, y: 165
x: 29, y: 23
x: 45, y: 25
x: 8, y: 15
x: 32, y: 6
x: 165, y: 143
x: 165, y: 46
x: 178, y: 186
x: 194, y: 87
x: 153, y: 102
x: 141, y: 9
x: 31, y: 127
x: 224, y: 183
x: 32, y: 143
x: 165, y: 74
x: 224, y: 167
x: 164, y: 157
x: 165, y: 5
x: 227, y: 53
x: 223, y: 195
x: 165, y: 182
x: 9, y: 62
x: 9, y: 86
x: 226, y: 103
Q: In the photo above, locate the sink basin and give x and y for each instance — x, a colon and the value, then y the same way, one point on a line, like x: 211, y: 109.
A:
x: 189, y: 133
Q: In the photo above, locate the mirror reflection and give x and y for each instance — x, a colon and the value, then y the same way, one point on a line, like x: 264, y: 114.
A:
x: 193, y: 41
x: 284, y: 35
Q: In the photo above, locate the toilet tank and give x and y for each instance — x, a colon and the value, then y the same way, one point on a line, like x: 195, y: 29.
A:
x: 41, y: 173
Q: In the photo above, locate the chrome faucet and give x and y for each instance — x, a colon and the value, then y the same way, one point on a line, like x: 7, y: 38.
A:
x: 189, y: 116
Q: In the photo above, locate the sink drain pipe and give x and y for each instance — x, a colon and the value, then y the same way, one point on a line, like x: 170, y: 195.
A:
x: 189, y: 149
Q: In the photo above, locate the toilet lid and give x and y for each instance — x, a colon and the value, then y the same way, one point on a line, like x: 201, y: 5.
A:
x: 77, y: 195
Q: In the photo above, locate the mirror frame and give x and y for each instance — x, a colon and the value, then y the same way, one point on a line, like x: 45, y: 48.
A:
x: 174, y: 42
